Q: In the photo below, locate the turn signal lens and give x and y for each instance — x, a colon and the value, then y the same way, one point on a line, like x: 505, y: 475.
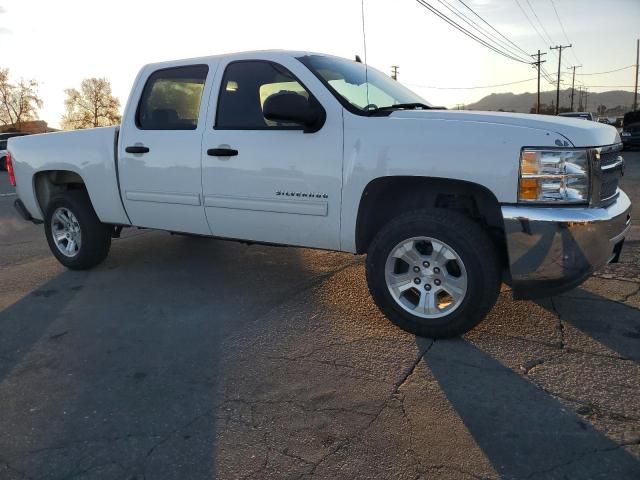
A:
x: 529, y: 163
x: 529, y: 189
x: 12, y: 175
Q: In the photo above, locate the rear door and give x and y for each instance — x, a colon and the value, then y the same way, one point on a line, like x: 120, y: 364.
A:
x: 159, y: 149
x: 264, y: 180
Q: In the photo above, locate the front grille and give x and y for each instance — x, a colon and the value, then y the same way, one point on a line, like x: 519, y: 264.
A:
x: 611, y: 169
x: 609, y: 187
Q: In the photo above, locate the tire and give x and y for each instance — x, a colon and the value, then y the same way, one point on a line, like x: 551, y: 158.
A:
x: 94, y: 237
x: 475, y: 271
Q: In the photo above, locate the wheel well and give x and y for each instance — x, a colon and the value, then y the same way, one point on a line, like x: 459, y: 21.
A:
x: 50, y: 183
x: 386, y: 197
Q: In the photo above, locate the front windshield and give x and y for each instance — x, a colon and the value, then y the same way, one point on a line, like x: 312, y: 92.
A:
x: 364, y: 89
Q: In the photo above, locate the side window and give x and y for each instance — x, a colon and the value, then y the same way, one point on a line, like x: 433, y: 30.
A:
x: 171, y: 99
x: 246, y: 85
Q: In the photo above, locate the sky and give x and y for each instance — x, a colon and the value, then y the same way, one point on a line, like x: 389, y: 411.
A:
x: 61, y: 42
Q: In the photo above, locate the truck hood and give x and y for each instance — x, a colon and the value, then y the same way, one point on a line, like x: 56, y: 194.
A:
x: 579, y: 133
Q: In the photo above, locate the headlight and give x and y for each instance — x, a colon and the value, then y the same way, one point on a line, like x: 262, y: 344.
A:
x: 554, y: 176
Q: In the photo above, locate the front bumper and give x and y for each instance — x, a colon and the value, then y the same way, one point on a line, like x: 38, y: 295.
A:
x: 554, y: 249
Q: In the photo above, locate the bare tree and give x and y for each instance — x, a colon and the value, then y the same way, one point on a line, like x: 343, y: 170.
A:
x: 19, y: 102
x: 92, y: 106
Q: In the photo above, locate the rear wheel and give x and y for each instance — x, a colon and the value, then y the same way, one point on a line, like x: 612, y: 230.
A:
x: 433, y: 272
x: 75, y: 235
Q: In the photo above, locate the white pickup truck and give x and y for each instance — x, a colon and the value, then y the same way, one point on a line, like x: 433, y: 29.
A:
x: 304, y: 149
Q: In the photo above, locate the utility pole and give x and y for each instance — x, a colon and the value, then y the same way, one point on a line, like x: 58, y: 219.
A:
x: 537, y: 63
x: 559, y: 48
x: 580, y: 99
x: 573, y: 83
x: 635, y: 95
x: 586, y: 100
x: 394, y: 71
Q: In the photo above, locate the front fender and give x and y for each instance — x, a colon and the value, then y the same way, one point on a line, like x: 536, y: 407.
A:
x: 482, y: 153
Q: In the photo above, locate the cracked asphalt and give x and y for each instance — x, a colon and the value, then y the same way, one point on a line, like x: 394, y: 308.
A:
x: 192, y: 358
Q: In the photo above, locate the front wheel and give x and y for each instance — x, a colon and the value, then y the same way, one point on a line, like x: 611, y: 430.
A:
x: 433, y: 272
x: 75, y: 235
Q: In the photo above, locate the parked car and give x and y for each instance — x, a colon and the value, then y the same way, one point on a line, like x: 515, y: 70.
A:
x: 311, y: 150
x: 581, y: 115
x: 631, y: 130
x: 4, y: 137
x: 604, y: 120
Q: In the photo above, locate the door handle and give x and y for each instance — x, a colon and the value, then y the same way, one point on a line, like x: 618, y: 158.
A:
x: 222, y: 152
x: 137, y: 149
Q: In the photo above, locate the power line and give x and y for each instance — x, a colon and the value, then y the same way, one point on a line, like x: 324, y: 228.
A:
x: 531, y: 22
x: 466, y: 32
x: 564, y: 32
x: 500, y: 43
x: 548, y: 77
x: 492, y: 27
x: 471, y: 35
x: 551, y: 42
x: 608, y: 86
x: 609, y: 71
x: 545, y: 74
x: 472, y: 88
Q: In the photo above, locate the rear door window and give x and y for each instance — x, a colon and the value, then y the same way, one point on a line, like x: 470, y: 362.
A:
x: 171, y: 99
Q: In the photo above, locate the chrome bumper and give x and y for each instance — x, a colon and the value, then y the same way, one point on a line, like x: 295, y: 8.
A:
x: 554, y: 249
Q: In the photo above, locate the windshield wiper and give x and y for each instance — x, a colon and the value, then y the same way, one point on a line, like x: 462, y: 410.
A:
x: 401, y: 106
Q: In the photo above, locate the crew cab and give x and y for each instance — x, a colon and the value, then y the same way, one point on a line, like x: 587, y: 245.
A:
x: 304, y: 149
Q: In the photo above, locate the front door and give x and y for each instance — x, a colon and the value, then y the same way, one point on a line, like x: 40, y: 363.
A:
x: 159, y: 151
x: 269, y: 181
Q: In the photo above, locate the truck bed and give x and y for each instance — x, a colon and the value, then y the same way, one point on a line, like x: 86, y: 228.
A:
x: 89, y: 153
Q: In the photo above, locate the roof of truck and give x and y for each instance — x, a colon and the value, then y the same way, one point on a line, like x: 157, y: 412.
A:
x: 242, y: 55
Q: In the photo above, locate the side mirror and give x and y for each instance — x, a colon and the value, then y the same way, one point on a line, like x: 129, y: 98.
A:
x: 293, y: 107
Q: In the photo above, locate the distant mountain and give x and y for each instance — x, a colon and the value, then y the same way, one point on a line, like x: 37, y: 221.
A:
x: 523, y: 102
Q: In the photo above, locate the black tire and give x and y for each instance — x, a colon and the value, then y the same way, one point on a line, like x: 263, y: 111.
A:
x: 476, y: 251
x: 96, y: 236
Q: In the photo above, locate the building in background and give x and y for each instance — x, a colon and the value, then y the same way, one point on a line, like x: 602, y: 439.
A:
x: 30, y: 126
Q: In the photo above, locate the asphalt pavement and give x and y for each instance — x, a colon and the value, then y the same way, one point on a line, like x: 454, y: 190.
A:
x: 194, y: 358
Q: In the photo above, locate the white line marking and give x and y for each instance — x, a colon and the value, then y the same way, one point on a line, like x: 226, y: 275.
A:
x: 7, y: 194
